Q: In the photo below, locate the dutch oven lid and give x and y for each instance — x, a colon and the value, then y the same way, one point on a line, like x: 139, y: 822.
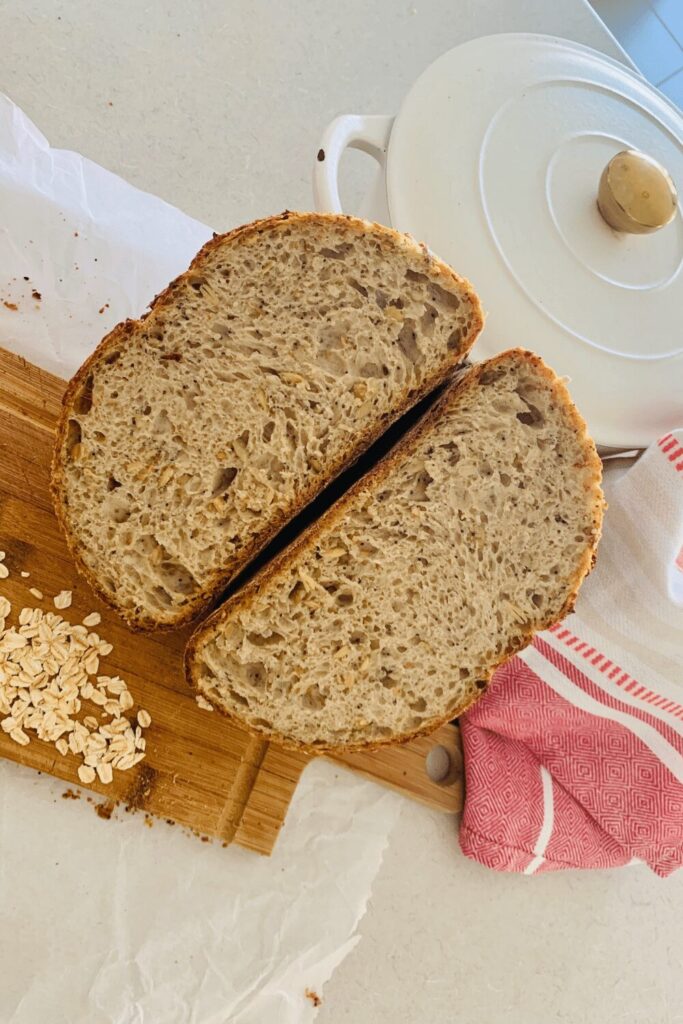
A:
x: 495, y: 161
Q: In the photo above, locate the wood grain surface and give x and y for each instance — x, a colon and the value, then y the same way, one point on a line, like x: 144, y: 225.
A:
x: 201, y: 771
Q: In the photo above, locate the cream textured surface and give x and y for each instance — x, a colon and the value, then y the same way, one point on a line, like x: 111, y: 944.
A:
x: 444, y: 940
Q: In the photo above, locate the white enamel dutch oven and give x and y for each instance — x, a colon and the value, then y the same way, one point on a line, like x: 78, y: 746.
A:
x: 494, y: 161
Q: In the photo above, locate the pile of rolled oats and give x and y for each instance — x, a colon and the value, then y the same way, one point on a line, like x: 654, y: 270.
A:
x: 49, y: 671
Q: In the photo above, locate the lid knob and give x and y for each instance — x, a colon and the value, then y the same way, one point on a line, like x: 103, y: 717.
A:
x: 636, y: 194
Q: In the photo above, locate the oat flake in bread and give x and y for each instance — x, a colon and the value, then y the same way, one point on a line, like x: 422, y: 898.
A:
x: 190, y: 437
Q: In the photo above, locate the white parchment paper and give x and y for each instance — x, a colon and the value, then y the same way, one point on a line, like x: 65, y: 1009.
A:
x: 110, y: 922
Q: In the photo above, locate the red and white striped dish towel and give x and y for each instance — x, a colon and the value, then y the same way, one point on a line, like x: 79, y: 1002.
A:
x: 574, y: 758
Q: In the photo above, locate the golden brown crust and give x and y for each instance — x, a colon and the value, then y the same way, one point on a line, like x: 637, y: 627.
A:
x: 122, y: 334
x: 370, y: 482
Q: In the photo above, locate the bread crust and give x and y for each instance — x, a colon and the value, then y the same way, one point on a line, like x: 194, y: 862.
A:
x: 124, y: 332
x: 370, y: 482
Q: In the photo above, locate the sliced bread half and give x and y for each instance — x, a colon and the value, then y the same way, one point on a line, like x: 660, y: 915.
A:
x: 191, y: 436
x: 390, y: 614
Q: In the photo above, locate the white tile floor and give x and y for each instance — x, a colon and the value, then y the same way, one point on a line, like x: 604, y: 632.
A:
x: 651, y: 32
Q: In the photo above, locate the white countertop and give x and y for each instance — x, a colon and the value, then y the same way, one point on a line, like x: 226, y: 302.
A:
x: 217, y: 106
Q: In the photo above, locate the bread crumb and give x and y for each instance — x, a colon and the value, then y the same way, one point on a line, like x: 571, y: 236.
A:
x: 203, y: 703
x: 36, y: 295
x: 313, y: 996
x: 25, y: 575
x: 38, y: 594
x: 10, y: 305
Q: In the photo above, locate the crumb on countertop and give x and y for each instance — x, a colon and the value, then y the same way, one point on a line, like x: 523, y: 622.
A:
x: 10, y: 305
x: 313, y: 996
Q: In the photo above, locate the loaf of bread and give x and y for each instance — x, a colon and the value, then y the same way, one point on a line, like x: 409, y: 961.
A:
x: 390, y: 614
x: 191, y: 436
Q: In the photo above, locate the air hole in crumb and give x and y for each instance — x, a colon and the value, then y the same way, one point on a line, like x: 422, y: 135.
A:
x: 532, y: 418
x: 113, y: 358
x: 338, y: 253
x: 414, y: 275
x: 162, y: 423
x: 428, y: 319
x: 314, y: 698
x: 357, y: 286
x: 222, y: 480
x: 268, y: 429
x: 536, y: 600
x: 162, y: 597
x: 407, y: 342
x: 83, y: 401
x: 177, y: 578
x: 345, y: 598
x: 454, y: 339
x: 255, y: 672
x: 453, y: 452
x: 370, y: 370
x: 73, y: 436
x: 113, y: 483
x: 260, y: 640
x: 262, y: 723
x: 418, y: 705
x: 238, y: 698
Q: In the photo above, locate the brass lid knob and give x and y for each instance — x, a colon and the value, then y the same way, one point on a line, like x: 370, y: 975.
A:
x: 636, y: 194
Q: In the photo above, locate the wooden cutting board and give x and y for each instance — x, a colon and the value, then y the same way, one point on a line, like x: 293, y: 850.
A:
x: 200, y: 770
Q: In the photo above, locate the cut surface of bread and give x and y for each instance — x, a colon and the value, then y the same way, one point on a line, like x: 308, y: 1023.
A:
x: 389, y: 615
x: 192, y: 436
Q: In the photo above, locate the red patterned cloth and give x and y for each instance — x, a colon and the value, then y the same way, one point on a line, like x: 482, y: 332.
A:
x: 574, y: 758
